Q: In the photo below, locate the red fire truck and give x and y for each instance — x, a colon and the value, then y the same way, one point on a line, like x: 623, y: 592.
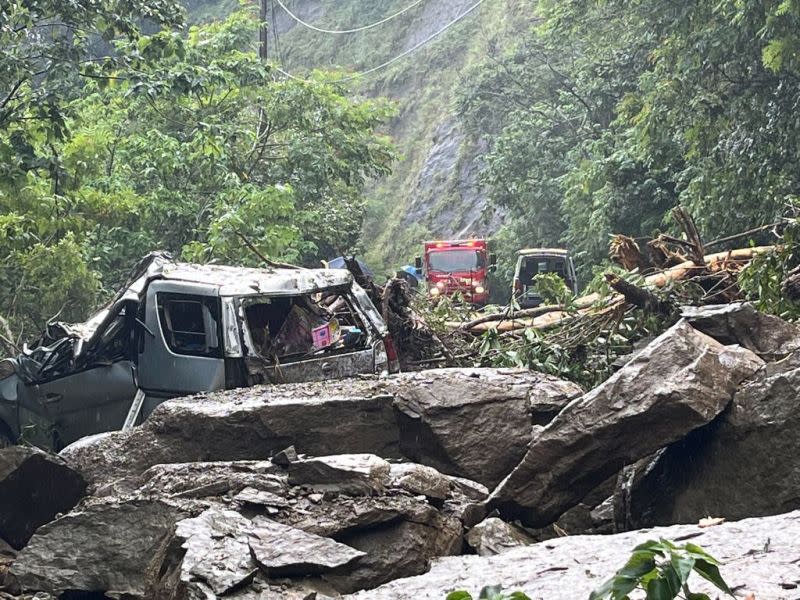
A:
x: 462, y: 266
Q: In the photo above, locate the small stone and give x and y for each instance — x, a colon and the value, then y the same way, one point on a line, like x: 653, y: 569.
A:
x: 285, y: 456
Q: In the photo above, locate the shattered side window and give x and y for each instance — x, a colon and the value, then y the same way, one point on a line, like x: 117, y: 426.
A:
x: 190, y: 324
x: 283, y: 329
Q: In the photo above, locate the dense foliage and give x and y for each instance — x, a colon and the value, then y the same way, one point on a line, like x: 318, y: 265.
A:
x: 184, y: 141
x: 609, y: 113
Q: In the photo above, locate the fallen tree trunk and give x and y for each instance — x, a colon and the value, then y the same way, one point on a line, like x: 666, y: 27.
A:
x: 589, y: 303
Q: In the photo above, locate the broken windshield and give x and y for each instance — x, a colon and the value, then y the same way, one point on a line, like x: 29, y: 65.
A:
x: 451, y: 261
x: 283, y: 329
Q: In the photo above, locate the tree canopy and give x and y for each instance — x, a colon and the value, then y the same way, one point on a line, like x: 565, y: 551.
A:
x: 609, y: 113
x: 182, y: 141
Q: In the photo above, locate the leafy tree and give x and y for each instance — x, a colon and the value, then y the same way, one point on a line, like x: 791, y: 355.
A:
x: 189, y: 144
x: 607, y: 114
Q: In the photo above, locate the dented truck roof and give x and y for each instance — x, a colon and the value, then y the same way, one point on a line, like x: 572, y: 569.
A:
x: 244, y: 281
x: 229, y: 281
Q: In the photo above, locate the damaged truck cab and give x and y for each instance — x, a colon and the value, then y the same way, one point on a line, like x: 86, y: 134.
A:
x: 178, y: 329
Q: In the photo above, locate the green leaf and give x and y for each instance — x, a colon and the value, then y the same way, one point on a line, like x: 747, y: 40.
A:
x: 683, y: 566
x: 659, y: 589
x: 459, y: 595
x: 711, y: 572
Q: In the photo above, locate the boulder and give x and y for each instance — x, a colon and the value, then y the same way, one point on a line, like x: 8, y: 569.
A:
x: 209, y: 479
x: 548, y: 395
x: 281, y: 550
x: 216, y: 555
x: 350, y: 416
x: 421, y: 480
x: 680, y: 382
x: 495, y: 536
x: 398, y: 549
x: 744, y: 464
x: 34, y: 487
x: 109, y: 547
x: 353, y: 474
x: 769, y: 336
x: 473, y: 423
x: 757, y: 555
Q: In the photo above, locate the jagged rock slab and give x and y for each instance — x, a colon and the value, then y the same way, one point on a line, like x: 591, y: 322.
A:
x: 281, y: 550
x: 103, y: 547
x: 261, y: 498
x: 398, y: 549
x: 473, y: 423
x: 34, y: 487
x: 758, y: 555
x: 680, y: 382
x: 210, y: 479
x: 349, y: 416
x: 217, y: 553
x: 746, y: 463
x: 344, y: 515
x: 769, y: 336
x: 495, y: 536
x: 354, y: 474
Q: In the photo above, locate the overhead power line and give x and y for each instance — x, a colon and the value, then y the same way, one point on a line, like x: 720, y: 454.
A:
x: 343, y: 31
x: 396, y: 58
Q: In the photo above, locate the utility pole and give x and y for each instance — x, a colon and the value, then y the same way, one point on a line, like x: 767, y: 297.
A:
x: 262, y: 32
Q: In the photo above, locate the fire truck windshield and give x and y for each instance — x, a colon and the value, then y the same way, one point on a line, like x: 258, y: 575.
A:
x: 452, y: 261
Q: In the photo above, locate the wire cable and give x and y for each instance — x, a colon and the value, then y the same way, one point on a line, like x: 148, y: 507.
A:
x: 343, y: 31
x: 392, y: 60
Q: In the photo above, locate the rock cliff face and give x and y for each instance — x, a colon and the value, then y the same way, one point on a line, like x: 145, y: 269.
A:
x: 435, y: 189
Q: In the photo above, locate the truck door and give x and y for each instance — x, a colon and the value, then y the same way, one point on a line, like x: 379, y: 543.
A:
x: 96, y: 398
x: 181, y: 348
x: 88, y: 402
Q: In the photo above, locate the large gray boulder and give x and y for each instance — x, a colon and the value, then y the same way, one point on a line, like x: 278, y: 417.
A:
x: 109, y: 547
x: 246, y: 424
x: 758, y: 555
x: 680, y: 382
x: 473, y: 423
x: 745, y: 463
x: 34, y: 487
x: 769, y: 336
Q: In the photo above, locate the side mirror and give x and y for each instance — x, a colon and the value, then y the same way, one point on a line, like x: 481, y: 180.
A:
x: 418, y: 263
x: 493, y: 259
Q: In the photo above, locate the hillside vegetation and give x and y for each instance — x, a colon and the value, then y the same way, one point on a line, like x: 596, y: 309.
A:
x: 434, y: 189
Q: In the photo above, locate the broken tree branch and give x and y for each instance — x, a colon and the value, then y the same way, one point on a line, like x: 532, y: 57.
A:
x: 638, y: 296
x: 737, y: 236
